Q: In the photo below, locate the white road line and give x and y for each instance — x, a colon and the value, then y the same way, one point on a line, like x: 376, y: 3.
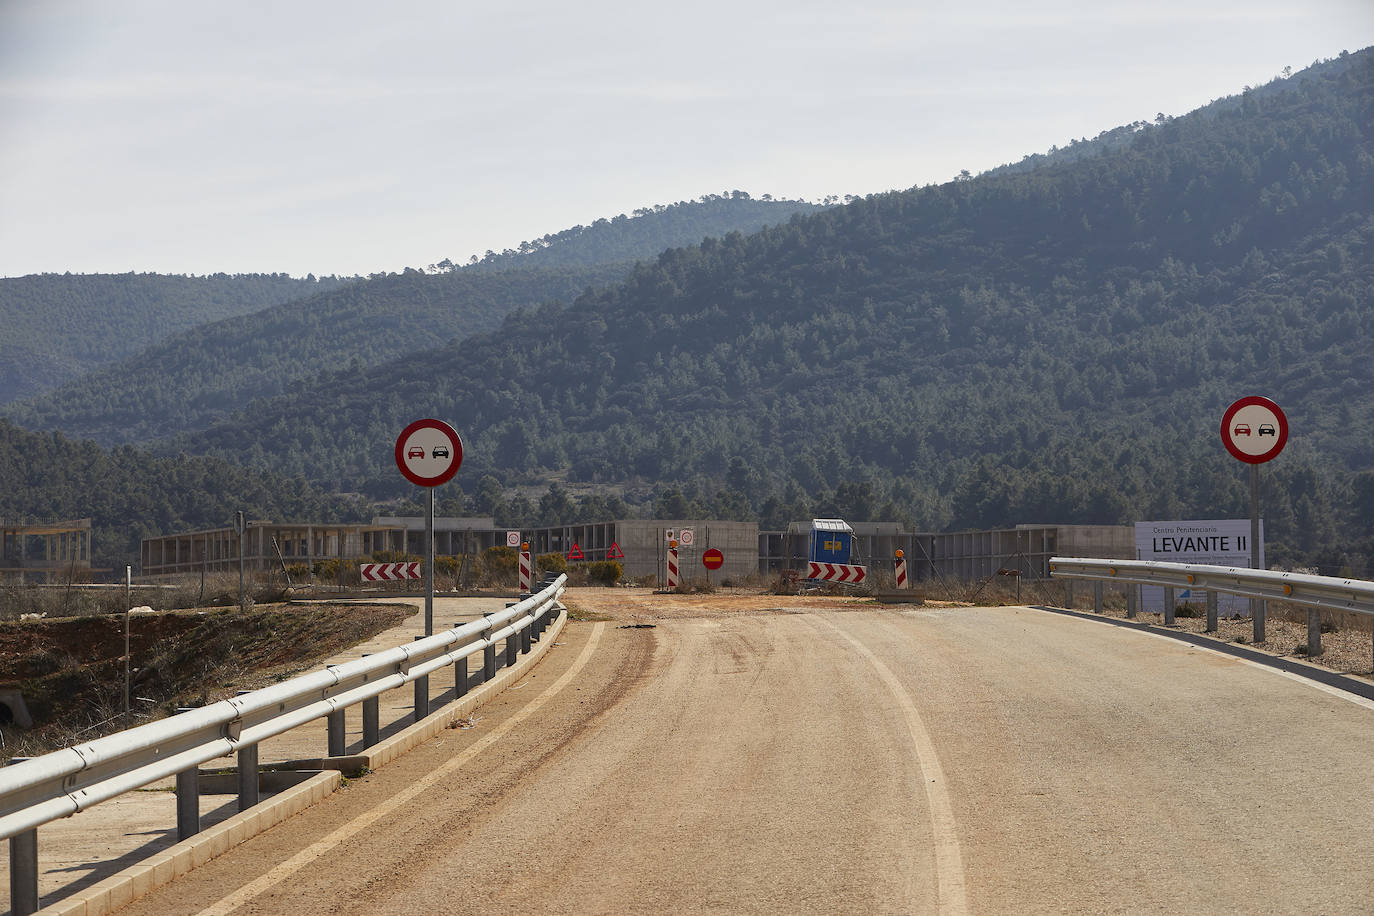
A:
x: 312, y: 852
x: 949, y: 863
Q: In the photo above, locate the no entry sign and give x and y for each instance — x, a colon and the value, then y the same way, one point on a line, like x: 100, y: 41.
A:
x: 428, y: 452
x: 713, y: 559
x: 1254, y: 430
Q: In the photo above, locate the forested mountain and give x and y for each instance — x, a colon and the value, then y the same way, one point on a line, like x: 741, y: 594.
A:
x: 196, y: 377
x: 59, y: 326
x: 648, y: 231
x: 129, y: 494
x: 1052, y: 345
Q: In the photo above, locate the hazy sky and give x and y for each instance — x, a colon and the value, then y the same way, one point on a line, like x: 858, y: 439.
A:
x: 343, y: 137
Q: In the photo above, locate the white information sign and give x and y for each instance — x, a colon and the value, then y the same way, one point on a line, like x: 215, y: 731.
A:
x: 1214, y: 542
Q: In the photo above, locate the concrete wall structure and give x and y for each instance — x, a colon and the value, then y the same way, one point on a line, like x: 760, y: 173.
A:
x: 50, y: 552
x: 645, y: 543
x: 963, y: 555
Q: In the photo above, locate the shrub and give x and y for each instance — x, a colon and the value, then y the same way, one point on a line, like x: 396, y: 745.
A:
x: 552, y: 563
x: 500, y: 565
x: 605, y: 572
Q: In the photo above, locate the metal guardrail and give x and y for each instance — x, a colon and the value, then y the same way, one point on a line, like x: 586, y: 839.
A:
x: 1317, y: 593
x: 42, y: 789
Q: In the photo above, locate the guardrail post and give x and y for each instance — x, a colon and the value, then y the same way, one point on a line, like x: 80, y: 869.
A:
x: 1211, y: 612
x: 488, y: 654
x: 248, y: 771
x: 1169, y: 605
x: 526, y: 637
x: 336, y: 734
x: 421, y: 693
x: 1097, y: 596
x: 1257, y: 612
x: 24, y: 873
x: 188, y: 803
x: 1314, y: 632
x: 1132, y: 590
x: 248, y: 776
x: 1068, y: 594
x: 372, y: 730
x: 188, y: 798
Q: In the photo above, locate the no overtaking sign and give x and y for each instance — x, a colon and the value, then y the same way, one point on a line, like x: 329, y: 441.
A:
x: 428, y: 452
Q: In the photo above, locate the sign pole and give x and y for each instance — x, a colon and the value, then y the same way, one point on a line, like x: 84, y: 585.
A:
x: 240, y: 525
x: 429, y: 563
x: 428, y: 453
x: 1257, y: 608
x: 128, y: 616
x: 1254, y: 429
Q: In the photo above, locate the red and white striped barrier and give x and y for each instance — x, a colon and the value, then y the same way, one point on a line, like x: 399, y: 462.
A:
x: 836, y: 572
x: 526, y: 572
x: 390, y: 572
x: 901, y: 572
x: 672, y: 567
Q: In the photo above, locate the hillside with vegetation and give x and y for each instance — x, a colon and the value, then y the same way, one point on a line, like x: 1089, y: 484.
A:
x: 129, y: 494
x: 1053, y: 345
x: 196, y: 377
x: 61, y: 326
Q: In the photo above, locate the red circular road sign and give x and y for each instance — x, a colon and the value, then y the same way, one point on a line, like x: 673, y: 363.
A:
x: 1254, y: 430
x: 428, y: 452
x: 713, y: 559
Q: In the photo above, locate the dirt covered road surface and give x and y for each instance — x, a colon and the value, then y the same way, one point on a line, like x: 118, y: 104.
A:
x: 776, y: 754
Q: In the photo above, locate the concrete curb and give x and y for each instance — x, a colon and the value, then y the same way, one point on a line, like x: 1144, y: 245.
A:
x: 393, y: 747
x: 137, y: 880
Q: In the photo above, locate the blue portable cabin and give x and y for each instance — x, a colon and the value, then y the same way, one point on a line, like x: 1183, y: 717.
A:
x: 831, y: 540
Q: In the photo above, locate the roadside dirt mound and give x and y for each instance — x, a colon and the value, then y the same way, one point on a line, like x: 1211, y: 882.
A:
x: 71, y: 671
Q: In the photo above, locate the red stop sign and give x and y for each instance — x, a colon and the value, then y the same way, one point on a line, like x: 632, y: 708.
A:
x: 712, y: 559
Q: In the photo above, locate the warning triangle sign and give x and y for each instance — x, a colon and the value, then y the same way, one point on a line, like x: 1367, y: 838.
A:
x: 615, y: 553
x: 576, y: 553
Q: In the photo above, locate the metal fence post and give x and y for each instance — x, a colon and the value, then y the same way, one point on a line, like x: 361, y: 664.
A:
x: 24, y: 873
x: 1169, y: 604
x: 1211, y: 612
x: 1314, y: 632
x: 1097, y: 596
x: 421, y: 693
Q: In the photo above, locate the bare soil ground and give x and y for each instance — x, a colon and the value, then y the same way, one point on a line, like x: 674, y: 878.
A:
x: 71, y: 670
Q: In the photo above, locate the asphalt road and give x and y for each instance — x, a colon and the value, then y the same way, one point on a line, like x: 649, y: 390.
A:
x: 996, y: 760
